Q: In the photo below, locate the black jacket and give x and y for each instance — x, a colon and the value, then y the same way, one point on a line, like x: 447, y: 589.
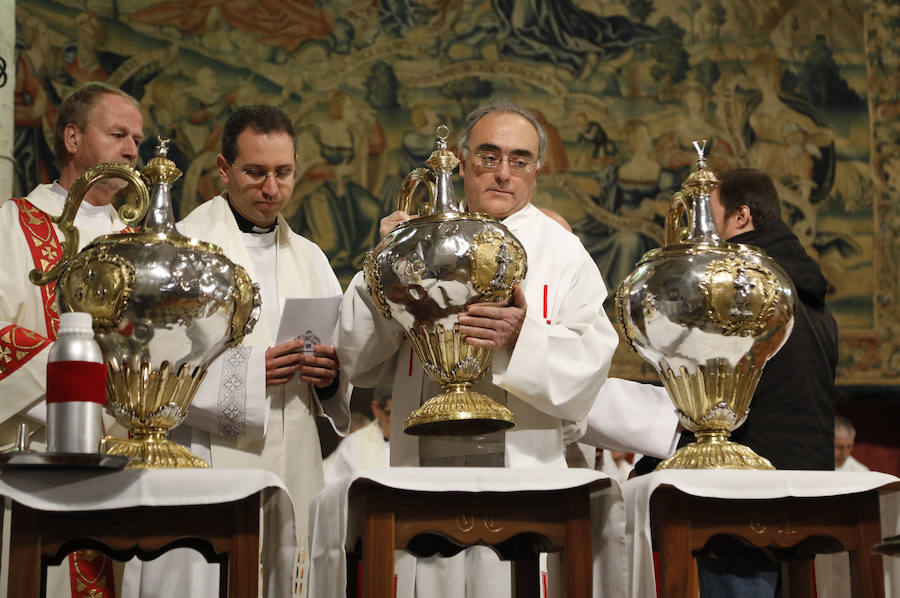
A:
x: 791, y: 420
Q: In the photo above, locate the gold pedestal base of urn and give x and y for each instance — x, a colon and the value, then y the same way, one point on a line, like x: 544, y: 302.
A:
x: 459, y: 411
x: 152, y: 451
x: 713, y: 450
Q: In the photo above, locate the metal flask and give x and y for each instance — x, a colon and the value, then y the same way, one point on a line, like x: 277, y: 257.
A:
x: 424, y: 274
x: 76, y: 387
x: 163, y: 307
x: 707, y: 315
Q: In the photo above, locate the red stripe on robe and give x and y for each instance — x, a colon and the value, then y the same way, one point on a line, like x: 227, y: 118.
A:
x: 90, y: 572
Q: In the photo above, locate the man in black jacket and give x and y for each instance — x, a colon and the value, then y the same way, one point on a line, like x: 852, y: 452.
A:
x: 791, y: 420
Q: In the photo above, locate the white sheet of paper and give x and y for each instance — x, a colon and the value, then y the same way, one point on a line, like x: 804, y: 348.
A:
x: 313, y: 319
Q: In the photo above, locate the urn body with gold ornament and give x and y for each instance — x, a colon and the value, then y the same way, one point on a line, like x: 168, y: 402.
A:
x: 424, y: 274
x: 707, y: 315
x: 164, y: 307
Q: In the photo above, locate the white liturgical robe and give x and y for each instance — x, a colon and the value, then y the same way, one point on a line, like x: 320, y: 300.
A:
x: 24, y: 316
x: 549, y: 379
x: 632, y: 417
x: 237, y: 421
x: 288, y: 444
x: 364, y: 449
x: 22, y: 304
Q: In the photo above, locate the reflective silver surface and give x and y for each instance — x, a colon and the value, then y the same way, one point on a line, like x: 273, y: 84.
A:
x: 424, y: 274
x: 427, y: 272
x: 707, y: 315
x: 179, y: 307
x: 74, y: 427
x: 178, y: 310
x: 164, y: 306
x: 668, y: 313
x: 83, y: 349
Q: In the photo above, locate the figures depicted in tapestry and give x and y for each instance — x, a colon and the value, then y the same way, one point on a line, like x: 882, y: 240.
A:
x: 337, y: 209
x: 622, y: 87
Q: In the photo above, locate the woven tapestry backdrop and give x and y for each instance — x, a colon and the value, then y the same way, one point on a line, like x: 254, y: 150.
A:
x: 804, y: 90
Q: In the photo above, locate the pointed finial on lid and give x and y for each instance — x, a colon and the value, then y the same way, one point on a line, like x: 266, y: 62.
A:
x: 162, y: 147
x: 700, y: 146
x: 442, y: 131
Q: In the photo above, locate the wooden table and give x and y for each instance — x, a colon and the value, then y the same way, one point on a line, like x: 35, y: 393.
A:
x: 226, y: 533
x: 144, y: 514
x: 796, y: 527
x: 518, y: 525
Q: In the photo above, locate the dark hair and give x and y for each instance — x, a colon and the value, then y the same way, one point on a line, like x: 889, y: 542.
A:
x: 502, y: 105
x: 76, y: 109
x: 382, y: 395
x: 261, y: 118
x: 752, y: 188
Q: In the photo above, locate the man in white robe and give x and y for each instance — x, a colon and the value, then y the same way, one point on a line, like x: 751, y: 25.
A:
x: 549, y: 360
x: 95, y: 123
x: 257, y: 404
x: 368, y: 447
x: 552, y: 344
x: 833, y: 570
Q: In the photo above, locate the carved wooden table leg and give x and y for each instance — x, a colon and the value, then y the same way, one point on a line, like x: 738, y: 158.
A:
x: 378, y: 546
x: 24, y: 579
x: 226, y: 533
x: 866, y: 568
x: 682, y: 524
x: 526, y: 577
x: 577, y: 555
x: 796, y: 577
x: 673, y: 532
x: 385, y: 519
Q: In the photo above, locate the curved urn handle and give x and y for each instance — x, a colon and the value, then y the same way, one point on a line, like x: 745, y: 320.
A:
x: 406, y: 197
x: 690, y: 218
x: 131, y: 212
x: 436, y: 177
x: 677, y: 230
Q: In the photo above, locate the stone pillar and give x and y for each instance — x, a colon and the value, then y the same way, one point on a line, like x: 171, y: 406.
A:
x: 7, y: 100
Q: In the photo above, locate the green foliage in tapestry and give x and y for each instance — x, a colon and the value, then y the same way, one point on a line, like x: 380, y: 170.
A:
x: 640, y: 10
x: 671, y: 57
x: 381, y: 87
x: 820, y: 81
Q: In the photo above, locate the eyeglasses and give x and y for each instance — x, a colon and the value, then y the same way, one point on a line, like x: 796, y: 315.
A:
x: 283, y: 175
x: 492, y: 161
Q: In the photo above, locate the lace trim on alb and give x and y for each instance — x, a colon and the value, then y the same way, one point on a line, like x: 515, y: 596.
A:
x: 232, y: 406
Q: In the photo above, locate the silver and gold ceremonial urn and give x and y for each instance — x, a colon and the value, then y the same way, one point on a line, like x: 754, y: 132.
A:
x: 424, y: 274
x: 707, y: 315
x: 163, y: 305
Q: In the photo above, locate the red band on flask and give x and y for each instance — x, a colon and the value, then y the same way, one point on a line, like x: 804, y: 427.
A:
x: 76, y: 381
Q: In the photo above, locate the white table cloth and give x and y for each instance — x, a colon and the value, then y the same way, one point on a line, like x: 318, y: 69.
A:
x: 328, y: 516
x: 90, y: 491
x: 727, y: 483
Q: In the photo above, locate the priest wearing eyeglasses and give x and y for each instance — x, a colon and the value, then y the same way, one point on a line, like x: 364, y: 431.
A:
x: 257, y: 405
x: 552, y: 343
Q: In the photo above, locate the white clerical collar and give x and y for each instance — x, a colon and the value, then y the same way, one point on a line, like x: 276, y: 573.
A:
x: 259, y: 239
x: 85, y: 209
x: 514, y: 220
x: 57, y: 190
x: 245, y: 225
